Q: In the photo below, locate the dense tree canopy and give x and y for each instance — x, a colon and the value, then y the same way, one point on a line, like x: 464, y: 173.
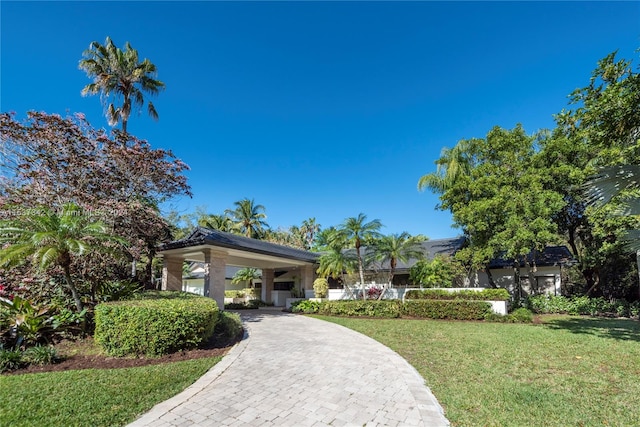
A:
x: 117, y: 179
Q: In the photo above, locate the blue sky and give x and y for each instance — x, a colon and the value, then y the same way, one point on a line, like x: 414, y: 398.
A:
x: 319, y: 109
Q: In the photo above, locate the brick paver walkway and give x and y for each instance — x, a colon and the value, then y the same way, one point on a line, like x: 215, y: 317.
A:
x: 293, y: 370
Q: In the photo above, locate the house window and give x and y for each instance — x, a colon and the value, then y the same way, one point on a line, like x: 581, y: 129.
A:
x: 282, y: 286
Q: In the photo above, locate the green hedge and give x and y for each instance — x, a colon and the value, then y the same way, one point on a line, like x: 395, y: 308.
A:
x: 550, y: 304
x: 155, y: 323
x: 446, y: 309
x: 386, y: 309
x: 438, y: 294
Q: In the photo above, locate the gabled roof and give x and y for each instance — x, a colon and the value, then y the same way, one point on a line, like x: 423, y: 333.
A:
x: 207, y: 236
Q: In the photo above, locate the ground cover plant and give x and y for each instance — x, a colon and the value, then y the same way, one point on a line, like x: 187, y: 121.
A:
x: 567, y: 371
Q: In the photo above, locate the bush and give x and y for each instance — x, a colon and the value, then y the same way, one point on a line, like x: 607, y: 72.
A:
x: 155, y: 323
x: 229, y: 326
x: 40, y: 355
x: 305, y: 306
x: 384, y: 309
x: 10, y: 359
x: 439, y: 294
x: 521, y: 315
x: 550, y: 304
x: 446, y: 309
x: 321, y: 287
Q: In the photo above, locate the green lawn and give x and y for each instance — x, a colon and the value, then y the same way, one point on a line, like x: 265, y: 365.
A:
x: 110, y: 397
x: 570, y: 371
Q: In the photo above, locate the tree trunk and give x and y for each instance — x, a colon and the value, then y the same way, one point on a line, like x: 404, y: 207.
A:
x: 72, y: 288
x: 360, y: 270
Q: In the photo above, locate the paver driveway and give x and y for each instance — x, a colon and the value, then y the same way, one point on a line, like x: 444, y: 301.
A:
x: 293, y: 370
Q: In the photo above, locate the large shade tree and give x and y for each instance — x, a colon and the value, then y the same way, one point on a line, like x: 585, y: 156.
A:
x: 49, y: 238
x: 500, y: 200
x: 64, y: 160
x: 121, y: 79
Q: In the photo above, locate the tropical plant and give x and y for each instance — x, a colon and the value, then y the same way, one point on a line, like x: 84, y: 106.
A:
x: 249, y: 218
x: 320, y: 287
x: 440, y: 272
x: 121, y: 79
x: 50, y: 238
x: 246, y: 275
x: 356, y: 232
x: 217, y: 222
x: 397, y: 247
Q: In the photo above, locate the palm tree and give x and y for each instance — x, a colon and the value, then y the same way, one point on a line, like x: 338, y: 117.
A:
x: 357, y: 231
x: 245, y: 275
x: 53, y: 239
x: 217, y: 222
x: 249, y: 218
x: 309, y: 231
x: 121, y: 79
x: 336, y: 263
x: 397, y: 247
x: 453, y: 164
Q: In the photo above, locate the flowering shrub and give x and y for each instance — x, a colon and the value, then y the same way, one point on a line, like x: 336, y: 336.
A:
x: 374, y: 293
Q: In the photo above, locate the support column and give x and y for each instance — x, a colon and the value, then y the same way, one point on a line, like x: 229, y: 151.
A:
x: 308, y: 277
x: 172, y: 273
x: 267, y: 284
x: 215, y: 263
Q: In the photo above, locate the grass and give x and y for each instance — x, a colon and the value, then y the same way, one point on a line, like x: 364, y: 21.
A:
x: 569, y: 371
x: 109, y: 397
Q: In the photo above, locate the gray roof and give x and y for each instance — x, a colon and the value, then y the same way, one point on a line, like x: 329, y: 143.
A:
x: 552, y: 255
x: 207, y: 236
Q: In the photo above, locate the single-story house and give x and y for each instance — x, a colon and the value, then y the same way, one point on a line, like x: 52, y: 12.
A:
x: 215, y: 257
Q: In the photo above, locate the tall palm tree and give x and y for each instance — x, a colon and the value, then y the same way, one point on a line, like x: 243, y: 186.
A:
x: 50, y: 238
x: 357, y: 231
x: 217, y: 222
x: 397, y: 247
x: 121, y: 79
x: 453, y: 164
x: 249, y: 218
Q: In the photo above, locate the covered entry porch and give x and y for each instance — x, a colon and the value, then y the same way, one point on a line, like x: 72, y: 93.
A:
x: 217, y: 249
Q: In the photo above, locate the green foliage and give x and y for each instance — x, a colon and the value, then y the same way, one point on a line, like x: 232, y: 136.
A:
x: 438, y: 294
x: 155, y: 324
x: 520, y: 315
x: 10, y: 359
x: 305, y: 306
x: 551, y: 304
x: 40, y: 355
x: 228, y: 326
x: 321, y: 287
x: 440, y: 272
x: 446, y: 309
x: 29, y: 324
x: 368, y: 308
x: 117, y: 290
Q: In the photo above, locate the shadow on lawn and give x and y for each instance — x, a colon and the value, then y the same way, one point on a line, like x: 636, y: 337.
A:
x: 619, y: 329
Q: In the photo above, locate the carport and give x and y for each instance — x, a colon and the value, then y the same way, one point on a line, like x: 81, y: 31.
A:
x: 217, y: 249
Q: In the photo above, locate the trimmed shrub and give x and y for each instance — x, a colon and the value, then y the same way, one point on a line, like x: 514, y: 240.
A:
x: 446, y: 309
x: 385, y: 309
x: 439, y: 294
x: 155, y: 323
x: 305, y: 306
x: 521, y: 315
x: 321, y: 287
x: 229, y: 326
